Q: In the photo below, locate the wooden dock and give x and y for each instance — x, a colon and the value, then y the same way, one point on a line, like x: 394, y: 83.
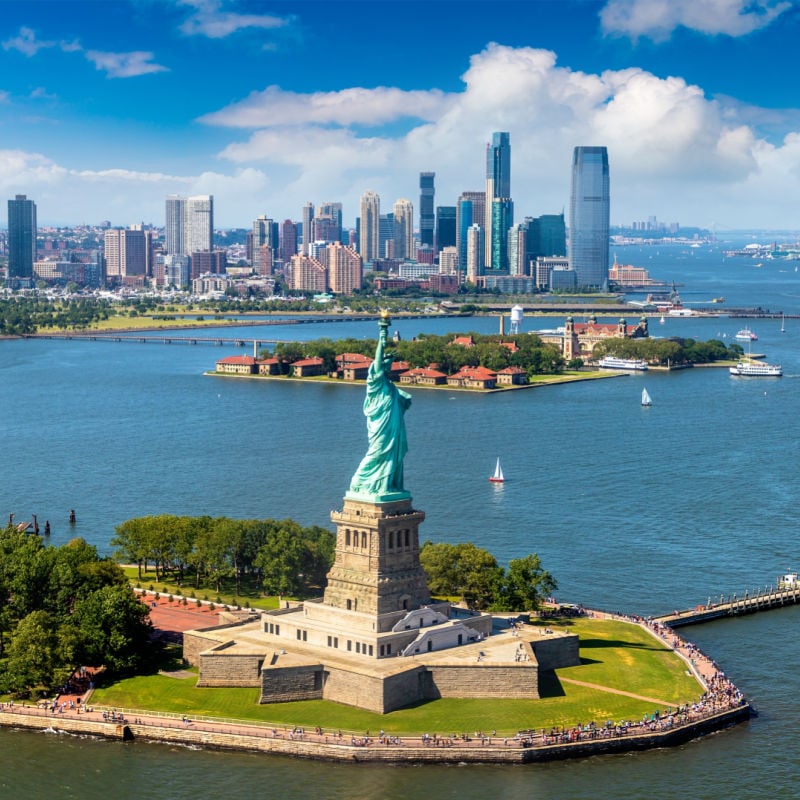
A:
x: 764, y: 599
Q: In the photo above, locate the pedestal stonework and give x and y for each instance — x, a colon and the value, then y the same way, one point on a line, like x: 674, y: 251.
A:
x: 376, y: 570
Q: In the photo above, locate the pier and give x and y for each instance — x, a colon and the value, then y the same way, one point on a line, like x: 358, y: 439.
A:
x: 217, y: 341
x: 764, y: 599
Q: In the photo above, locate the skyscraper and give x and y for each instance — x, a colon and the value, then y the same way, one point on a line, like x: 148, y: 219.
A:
x: 173, y: 227
x: 403, y: 229
x: 502, y: 220
x: 589, y: 211
x: 198, y: 224
x: 426, y: 217
x: 470, y: 209
x: 21, y: 237
x: 308, y: 227
x: 475, y: 251
x: 498, y: 186
x: 445, y: 227
x: 126, y: 254
x: 369, y: 232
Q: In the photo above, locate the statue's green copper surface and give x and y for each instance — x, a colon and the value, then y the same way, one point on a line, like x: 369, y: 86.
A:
x: 379, y: 477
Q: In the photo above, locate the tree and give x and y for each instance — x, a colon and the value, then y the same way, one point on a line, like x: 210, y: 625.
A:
x: 462, y: 570
x: 526, y: 583
x: 33, y: 655
x: 281, y: 559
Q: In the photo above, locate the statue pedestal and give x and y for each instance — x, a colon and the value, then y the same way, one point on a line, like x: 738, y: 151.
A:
x: 376, y: 571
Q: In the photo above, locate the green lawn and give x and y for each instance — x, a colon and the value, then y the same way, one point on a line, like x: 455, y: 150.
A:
x: 615, y: 655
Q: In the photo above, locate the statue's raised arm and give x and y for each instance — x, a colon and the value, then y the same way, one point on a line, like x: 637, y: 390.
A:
x: 379, y: 477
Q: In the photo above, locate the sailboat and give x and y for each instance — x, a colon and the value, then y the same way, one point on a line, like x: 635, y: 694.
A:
x: 783, y: 326
x: 498, y: 474
x: 646, y: 401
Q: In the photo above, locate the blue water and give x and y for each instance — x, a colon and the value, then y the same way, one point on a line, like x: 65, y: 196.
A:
x: 631, y: 509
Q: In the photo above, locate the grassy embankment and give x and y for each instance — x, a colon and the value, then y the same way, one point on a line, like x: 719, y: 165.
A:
x: 618, y: 660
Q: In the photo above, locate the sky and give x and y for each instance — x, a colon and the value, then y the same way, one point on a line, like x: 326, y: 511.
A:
x: 108, y: 106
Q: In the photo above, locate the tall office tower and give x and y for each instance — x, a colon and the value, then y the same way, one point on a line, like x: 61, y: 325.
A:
x: 173, y: 227
x: 589, y: 211
x: 386, y: 236
x: 21, y: 237
x: 308, y: 227
x: 288, y: 246
x: 498, y: 185
x: 328, y: 223
x: 214, y: 262
x: 369, y: 233
x: 198, y: 224
x: 470, y: 209
x: 517, y: 250
x: 125, y: 252
x: 265, y: 236
x: 344, y: 266
x: 445, y: 227
x: 502, y: 220
x: 547, y: 236
x: 475, y: 251
x: 403, y: 233
x: 426, y: 217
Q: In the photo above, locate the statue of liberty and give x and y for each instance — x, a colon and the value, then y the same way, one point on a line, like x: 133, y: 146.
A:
x: 379, y: 477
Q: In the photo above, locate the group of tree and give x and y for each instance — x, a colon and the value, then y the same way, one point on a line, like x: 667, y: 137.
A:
x: 531, y: 354
x: 26, y: 315
x: 675, y: 350
x: 473, y: 575
x: 62, y: 607
x: 280, y: 556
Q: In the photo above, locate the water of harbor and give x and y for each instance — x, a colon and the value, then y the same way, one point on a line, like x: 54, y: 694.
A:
x: 640, y: 510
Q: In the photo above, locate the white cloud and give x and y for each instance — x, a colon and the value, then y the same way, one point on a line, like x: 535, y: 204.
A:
x: 673, y: 151
x: 273, y: 107
x: 657, y: 19
x: 26, y: 42
x: 209, y: 19
x: 124, y: 65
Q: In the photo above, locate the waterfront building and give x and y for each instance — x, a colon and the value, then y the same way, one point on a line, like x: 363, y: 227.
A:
x: 209, y: 284
x: 172, y: 270
x: 470, y: 210
x: 306, y: 274
x: 448, y: 261
x: 308, y: 227
x: 213, y: 261
x: 198, y: 225
x: 126, y: 256
x: 345, y: 268
x: 264, y: 244
x: 426, y: 217
x: 445, y: 227
x: 21, y: 238
x: 403, y: 230
x: 589, y: 211
x: 578, y: 339
x: 502, y: 220
x: 369, y: 240
x: 173, y: 225
x: 498, y: 185
x: 547, y: 236
x: 543, y: 269
x: 517, y: 250
x: 475, y: 251
x: 288, y: 240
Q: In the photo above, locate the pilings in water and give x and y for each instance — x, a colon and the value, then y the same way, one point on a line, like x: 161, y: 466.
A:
x: 749, y: 603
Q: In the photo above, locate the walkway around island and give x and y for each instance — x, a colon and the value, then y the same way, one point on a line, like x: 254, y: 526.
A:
x: 720, y: 706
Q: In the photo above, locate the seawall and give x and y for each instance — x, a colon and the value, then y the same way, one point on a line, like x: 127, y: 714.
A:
x: 521, y: 749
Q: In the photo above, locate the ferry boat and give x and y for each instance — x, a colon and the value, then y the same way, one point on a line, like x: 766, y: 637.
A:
x: 746, y: 335
x: 755, y: 369
x: 614, y: 362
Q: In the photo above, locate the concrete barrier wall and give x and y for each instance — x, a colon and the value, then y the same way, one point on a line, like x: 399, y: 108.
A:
x: 223, y: 669
x: 517, y: 681
x: 292, y: 683
x: 558, y: 652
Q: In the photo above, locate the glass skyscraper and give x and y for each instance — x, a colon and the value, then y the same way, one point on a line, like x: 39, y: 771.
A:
x: 21, y: 237
x: 426, y: 216
x: 498, y: 186
x: 589, y: 211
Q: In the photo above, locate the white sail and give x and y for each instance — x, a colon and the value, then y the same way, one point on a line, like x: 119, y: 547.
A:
x: 498, y: 473
x: 646, y: 401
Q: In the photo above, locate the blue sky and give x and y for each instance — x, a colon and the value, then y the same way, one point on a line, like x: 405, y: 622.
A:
x: 107, y: 106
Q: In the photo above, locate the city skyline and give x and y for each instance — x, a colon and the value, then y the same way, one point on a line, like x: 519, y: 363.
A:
x: 103, y: 116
